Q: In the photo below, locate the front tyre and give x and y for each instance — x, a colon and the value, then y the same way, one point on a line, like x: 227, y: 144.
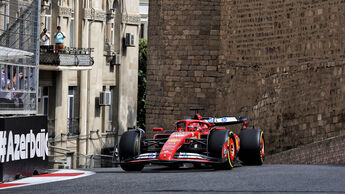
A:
x: 132, y: 167
x: 221, y: 145
x: 129, y: 147
x: 252, y: 147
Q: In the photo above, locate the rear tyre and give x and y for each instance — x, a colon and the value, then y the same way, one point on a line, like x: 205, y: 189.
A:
x: 129, y: 147
x: 221, y: 144
x: 252, y: 147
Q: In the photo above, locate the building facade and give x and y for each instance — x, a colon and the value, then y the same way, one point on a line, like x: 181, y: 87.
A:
x: 144, y: 14
x: 280, y: 63
x: 89, y: 93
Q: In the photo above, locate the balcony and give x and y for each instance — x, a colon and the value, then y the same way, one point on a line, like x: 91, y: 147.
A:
x: 66, y: 59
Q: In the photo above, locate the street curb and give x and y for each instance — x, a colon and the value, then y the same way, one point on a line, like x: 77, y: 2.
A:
x: 60, y: 175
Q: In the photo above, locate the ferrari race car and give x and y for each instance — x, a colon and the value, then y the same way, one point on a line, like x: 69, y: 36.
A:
x: 198, y: 140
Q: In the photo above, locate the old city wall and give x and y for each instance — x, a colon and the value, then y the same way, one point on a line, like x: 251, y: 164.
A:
x: 328, y: 151
x: 280, y: 62
x: 183, y: 52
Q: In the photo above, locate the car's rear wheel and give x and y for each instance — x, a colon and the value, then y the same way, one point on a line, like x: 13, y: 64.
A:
x: 221, y: 144
x: 129, y: 147
x: 252, y: 147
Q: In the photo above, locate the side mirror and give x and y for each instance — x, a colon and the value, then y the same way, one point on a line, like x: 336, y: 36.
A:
x: 157, y: 129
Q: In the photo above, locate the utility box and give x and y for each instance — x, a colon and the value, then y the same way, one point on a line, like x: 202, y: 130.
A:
x: 23, y: 146
x: 117, y: 59
x: 105, y: 98
x: 129, y: 40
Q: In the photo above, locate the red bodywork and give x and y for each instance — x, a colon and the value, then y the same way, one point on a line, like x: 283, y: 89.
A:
x: 203, y: 141
x: 192, y: 129
x: 185, y: 132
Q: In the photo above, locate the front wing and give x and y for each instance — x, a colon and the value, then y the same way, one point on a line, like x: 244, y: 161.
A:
x: 179, y: 157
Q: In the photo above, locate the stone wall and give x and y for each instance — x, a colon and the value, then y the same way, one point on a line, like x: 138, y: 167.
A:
x: 183, y: 52
x: 281, y: 63
x: 329, y: 151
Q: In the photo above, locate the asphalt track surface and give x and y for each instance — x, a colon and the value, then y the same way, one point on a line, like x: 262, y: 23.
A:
x: 245, y: 179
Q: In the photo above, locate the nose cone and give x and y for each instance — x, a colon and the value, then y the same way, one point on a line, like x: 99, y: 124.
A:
x: 173, y: 144
x: 166, y: 156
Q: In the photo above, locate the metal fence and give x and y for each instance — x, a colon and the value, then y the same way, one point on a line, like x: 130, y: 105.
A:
x: 19, y: 56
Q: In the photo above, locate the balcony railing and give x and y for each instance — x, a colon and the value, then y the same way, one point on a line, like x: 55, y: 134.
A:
x: 69, y: 57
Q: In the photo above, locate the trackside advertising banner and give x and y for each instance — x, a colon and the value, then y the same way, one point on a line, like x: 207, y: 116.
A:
x: 23, y: 146
x: 14, y: 147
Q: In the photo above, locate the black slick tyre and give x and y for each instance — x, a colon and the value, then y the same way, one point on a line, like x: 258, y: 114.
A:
x: 252, y: 147
x: 132, y: 167
x: 129, y: 147
x: 221, y: 144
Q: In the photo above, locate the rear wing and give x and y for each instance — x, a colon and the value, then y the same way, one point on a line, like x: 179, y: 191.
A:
x: 225, y: 120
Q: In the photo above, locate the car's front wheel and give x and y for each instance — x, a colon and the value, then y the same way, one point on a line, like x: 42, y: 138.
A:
x: 132, y: 167
x: 129, y: 147
x: 221, y: 145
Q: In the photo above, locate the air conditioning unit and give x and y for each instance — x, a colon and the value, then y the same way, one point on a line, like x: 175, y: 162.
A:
x: 129, y: 40
x: 117, y: 59
x: 105, y: 98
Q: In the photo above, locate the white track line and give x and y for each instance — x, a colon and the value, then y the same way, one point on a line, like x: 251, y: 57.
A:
x: 46, y: 179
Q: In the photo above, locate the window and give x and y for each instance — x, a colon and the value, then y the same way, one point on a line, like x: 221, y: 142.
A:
x: 112, y: 34
x: 70, y: 108
x: 48, y: 18
x: 112, y: 90
x: 5, y: 17
x: 111, y: 108
x: 70, y: 102
x: 71, y: 33
x: 45, y: 100
x: 142, y: 30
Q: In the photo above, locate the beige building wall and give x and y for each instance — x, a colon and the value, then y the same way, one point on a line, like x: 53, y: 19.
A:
x: 101, y: 25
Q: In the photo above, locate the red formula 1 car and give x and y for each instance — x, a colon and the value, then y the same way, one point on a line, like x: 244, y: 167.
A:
x: 198, y: 140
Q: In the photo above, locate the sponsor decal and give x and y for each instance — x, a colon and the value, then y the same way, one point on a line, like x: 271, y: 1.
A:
x: 169, y: 146
x: 173, y: 140
x: 210, y: 120
x: 222, y: 120
x: 189, y: 155
x: 226, y: 119
x: 14, y: 147
x: 147, y: 156
x: 179, y: 134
